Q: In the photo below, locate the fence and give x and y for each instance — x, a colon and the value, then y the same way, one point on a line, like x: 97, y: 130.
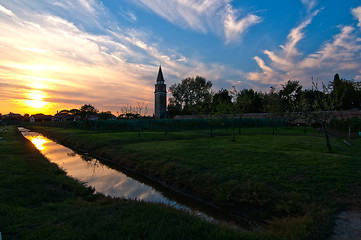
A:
x: 161, y: 124
x: 351, y: 125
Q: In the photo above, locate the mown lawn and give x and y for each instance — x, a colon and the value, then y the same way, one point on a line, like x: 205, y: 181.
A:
x: 38, y: 201
x: 288, y: 180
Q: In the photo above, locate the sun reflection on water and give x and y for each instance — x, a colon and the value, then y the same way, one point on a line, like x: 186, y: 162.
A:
x: 39, y: 141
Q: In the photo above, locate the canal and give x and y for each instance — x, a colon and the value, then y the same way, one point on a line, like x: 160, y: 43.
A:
x: 113, y: 181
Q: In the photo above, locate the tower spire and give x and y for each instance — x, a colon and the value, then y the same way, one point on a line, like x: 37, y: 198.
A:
x: 160, y: 104
x: 160, y: 78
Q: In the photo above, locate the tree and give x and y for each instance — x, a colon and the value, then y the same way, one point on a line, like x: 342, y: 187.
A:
x: 126, y: 111
x: 306, y: 107
x: 26, y: 117
x: 64, y: 111
x: 189, y: 94
x: 221, y: 98
x: 88, y: 110
x: 173, y: 110
x: 208, y: 110
x: 290, y: 98
x: 141, y: 110
x: 75, y: 112
x: 105, y: 115
x: 138, y: 111
x: 250, y: 100
x: 346, y: 90
x: 240, y: 105
x: 324, y: 104
x: 273, y: 107
x: 223, y: 105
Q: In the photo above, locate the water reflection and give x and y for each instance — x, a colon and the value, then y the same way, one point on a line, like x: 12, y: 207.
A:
x: 89, y: 170
x: 39, y: 142
x: 112, y: 182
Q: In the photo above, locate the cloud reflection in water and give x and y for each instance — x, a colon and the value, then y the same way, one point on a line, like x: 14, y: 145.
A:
x: 104, y: 179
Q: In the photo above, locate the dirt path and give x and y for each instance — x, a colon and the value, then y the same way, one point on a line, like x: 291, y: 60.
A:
x: 347, y: 226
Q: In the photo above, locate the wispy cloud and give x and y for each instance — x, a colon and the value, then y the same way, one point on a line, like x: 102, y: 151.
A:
x: 310, y: 4
x: 282, y: 61
x: 295, y: 36
x: 129, y: 16
x: 70, y: 65
x: 6, y: 11
x: 216, y: 16
x: 235, y: 29
x: 357, y: 14
x: 193, y: 14
x: 341, y: 54
x: 53, y: 53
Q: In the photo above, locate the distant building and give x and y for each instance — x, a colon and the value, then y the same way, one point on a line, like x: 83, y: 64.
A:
x: 160, y: 103
x: 62, y: 116
x: 40, y: 118
x: 91, y: 118
x: 12, y: 116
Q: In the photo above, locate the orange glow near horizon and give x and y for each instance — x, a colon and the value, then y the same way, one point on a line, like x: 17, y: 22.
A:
x: 36, y: 99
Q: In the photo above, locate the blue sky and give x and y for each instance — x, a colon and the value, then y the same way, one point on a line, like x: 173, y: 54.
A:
x: 63, y: 54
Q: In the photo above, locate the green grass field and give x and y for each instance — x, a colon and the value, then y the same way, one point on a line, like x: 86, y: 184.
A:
x: 287, y: 180
x: 38, y: 201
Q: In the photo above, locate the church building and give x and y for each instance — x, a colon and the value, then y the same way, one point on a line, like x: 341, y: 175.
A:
x: 160, y: 103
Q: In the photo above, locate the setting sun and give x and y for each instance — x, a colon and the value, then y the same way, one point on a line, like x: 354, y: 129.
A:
x: 36, y: 99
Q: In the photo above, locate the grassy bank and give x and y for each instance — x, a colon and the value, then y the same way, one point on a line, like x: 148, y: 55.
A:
x: 38, y: 201
x: 288, y: 180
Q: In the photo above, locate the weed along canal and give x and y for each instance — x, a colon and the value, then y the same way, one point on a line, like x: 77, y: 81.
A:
x: 113, y: 181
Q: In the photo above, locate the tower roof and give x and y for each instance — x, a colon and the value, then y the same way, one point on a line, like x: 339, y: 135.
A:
x: 160, y: 78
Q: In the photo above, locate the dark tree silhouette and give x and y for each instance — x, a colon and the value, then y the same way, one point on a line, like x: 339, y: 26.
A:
x: 273, y: 107
x: 306, y: 107
x: 105, y: 115
x: 347, y: 90
x: 224, y: 107
x: 88, y: 110
x: 324, y: 104
x: 221, y: 97
x: 251, y: 101
x: 190, y: 93
x: 290, y: 97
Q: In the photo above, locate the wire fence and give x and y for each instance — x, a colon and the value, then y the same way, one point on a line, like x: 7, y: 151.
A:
x: 352, y: 125
x: 162, y: 124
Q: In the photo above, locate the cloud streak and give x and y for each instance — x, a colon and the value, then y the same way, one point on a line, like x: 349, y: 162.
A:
x: 70, y: 65
x: 76, y: 51
x: 340, y: 54
x: 356, y: 12
x: 235, y: 29
x: 310, y: 4
x: 216, y: 16
x: 54, y: 54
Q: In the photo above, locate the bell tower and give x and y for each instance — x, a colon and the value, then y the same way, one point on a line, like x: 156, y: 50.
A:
x: 160, y: 103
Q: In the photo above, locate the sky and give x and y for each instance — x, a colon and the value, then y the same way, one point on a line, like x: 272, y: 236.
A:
x: 62, y: 54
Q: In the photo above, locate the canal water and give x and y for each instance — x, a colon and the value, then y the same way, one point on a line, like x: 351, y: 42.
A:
x: 112, y: 182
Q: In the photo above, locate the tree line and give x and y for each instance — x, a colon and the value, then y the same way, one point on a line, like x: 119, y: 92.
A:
x: 89, y: 112
x: 291, y: 103
x: 194, y: 96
